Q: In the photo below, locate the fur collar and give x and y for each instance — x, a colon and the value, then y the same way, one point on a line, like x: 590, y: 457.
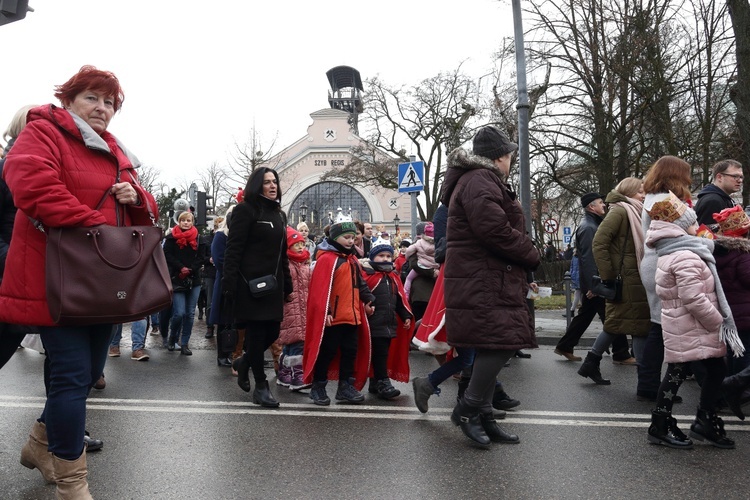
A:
x: 740, y: 244
x: 459, y: 162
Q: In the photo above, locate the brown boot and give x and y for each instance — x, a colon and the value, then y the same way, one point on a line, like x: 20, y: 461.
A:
x: 35, y: 453
x: 71, y: 478
x: 276, y: 353
x: 239, y: 347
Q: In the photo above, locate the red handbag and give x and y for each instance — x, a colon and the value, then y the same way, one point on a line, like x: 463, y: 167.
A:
x: 106, y: 274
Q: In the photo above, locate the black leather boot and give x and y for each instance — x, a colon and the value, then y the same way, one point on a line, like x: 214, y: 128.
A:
x: 262, y: 395
x: 242, y: 367
x: 709, y: 427
x: 496, y: 433
x: 664, y: 430
x: 463, y: 384
x: 590, y: 369
x: 501, y: 400
x: 733, y: 386
x: 468, y: 419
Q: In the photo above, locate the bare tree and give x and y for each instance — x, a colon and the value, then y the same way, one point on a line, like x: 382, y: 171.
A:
x: 429, y: 119
x: 249, y: 156
x: 213, y: 181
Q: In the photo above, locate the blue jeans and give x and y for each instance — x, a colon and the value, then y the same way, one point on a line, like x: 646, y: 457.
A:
x: 183, y: 314
x: 76, y: 358
x: 463, y: 359
x: 295, y: 349
x: 137, y: 335
x: 209, y: 297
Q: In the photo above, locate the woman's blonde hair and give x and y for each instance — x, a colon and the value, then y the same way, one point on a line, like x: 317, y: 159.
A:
x: 224, y: 224
x: 301, y: 225
x: 629, y: 186
x: 17, y: 123
x: 183, y: 214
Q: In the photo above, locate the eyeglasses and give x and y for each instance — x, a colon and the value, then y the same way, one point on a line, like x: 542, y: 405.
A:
x: 736, y: 177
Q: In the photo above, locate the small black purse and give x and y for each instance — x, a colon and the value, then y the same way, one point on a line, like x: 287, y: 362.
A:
x: 268, y: 284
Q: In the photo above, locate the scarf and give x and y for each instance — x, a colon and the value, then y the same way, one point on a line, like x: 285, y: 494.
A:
x: 703, y: 248
x: 184, y: 237
x: 298, y: 257
x: 634, y: 208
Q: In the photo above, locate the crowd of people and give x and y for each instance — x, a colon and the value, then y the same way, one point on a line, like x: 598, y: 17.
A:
x: 350, y: 307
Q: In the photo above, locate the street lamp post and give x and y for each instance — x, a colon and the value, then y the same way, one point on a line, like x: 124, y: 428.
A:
x: 303, y: 211
x: 396, y: 220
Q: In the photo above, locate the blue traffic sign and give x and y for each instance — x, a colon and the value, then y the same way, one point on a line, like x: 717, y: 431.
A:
x: 567, y: 230
x: 567, y: 238
x: 411, y: 177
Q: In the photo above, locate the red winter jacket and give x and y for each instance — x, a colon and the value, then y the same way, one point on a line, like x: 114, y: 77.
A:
x: 58, y: 171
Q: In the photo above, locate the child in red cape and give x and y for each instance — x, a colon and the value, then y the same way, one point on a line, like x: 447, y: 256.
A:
x: 390, y: 326
x: 337, y: 335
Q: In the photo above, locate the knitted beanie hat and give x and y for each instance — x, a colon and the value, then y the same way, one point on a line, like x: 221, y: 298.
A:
x: 380, y: 249
x: 341, y: 228
x: 672, y: 209
x: 589, y: 197
x: 490, y: 142
x: 429, y: 230
x: 293, y: 236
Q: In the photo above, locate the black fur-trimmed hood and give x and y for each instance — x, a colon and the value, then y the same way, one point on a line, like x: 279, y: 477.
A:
x: 459, y: 162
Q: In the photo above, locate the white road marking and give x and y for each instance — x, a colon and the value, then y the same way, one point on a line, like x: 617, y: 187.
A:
x: 555, y: 418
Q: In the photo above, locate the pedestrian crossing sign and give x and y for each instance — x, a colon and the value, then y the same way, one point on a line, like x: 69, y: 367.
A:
x: 411, y: 177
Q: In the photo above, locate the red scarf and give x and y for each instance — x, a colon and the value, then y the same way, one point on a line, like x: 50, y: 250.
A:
x: 298, y: 257
x: 184, y: 237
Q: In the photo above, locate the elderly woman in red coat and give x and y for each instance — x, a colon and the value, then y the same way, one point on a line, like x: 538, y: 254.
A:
x: 488, y: 257
x: 62, y: 164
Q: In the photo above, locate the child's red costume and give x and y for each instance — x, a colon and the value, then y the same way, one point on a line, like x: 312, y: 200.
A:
x: 321, y: 283
x: 398, y: 353
x: 431, y: 336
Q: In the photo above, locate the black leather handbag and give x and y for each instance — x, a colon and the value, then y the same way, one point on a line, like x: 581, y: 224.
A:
x: 611, y: 290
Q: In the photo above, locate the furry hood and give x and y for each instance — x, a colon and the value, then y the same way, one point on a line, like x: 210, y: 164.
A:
x: 459, y: 162
x: 728, y: 244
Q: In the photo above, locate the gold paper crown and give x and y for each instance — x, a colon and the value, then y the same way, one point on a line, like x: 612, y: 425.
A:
x: 733, y: 221
x: 668, y: 210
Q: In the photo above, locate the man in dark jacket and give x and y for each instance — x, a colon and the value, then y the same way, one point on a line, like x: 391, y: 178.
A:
x: 715, y: 197
x: 591, y: 305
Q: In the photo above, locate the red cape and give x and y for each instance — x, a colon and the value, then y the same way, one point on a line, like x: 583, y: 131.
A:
x: 431, y: 336
x: 398, y: 353
x: 321, y: 282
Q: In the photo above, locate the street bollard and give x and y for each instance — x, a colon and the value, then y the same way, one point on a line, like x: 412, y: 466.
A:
x: 566, y: 288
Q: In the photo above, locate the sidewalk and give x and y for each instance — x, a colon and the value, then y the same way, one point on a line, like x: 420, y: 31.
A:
x: 551, y: 326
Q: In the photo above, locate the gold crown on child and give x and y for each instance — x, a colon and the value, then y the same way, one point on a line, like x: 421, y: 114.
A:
x: 669, y: 209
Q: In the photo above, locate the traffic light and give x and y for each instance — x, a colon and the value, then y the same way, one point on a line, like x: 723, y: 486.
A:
x: 201, y: 208
x: 13, y: 10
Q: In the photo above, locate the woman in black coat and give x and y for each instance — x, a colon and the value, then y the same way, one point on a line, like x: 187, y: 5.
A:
x: 256, y: 247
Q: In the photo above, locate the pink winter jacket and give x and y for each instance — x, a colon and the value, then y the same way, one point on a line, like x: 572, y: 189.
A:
x: 690, y: 316
x: 295, y: 312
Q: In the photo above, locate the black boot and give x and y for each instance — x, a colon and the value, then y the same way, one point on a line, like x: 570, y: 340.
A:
x: 242, y: 367
x: 209, y: 331
x: 318, y: 393
x: 223, y: 362
x: 501, y: 400
x: 590, y: 369
x: 708, y: 426
x: 463, y: 384
x: 171, y: 342
x: 733, y: 386
x: 468, y: 419
x: 664, y: 430
x: 385, y: 389
x: 496, y: 433
x: 262, y: 395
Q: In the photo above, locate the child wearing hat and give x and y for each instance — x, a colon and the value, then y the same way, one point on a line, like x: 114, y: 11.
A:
x: 732, y: 254
x: 696, y: 319
x: 337, y: 336
x: 390, y: 325
x: 292, y: 334
x: 425, y: 250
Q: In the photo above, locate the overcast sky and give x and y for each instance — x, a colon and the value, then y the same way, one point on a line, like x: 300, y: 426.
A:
x: 198, y: 74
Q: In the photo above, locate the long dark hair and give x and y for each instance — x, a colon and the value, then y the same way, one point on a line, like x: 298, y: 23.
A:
x: 254, y: 186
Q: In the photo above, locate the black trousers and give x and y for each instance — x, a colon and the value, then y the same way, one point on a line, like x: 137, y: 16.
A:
x: 10, y: 339
x: 380, y: 348
x: 259, y: 335
x: 337, y: 338
x: 581, y: 321
x: 714, y: 368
